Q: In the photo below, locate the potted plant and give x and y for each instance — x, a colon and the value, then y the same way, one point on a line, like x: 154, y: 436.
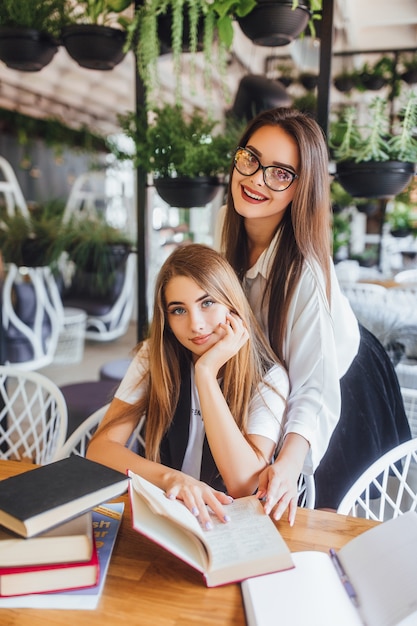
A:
x: 185, y: 156
x: 371, y: 161
x: 409, y: 65
x: 402, y: 214
x: 279, y: 22
x: 97, y: 251
x: 96, y: 36
x: 346, y: 80
x: 378, y: 75
x: 187, y: 19
x: 33, y: 240
x: 29, y: 32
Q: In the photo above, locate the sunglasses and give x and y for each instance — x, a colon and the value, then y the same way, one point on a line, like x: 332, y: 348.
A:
x: 277, y: 178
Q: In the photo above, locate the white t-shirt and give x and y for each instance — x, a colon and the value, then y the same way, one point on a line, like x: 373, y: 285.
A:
x: 320, y: 344
x: 266, y: 408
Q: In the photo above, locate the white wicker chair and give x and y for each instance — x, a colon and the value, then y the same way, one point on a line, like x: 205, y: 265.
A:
x: 33, y: 416
x: 306, y: 491
x: 387, y: 488
x: 78, y: 442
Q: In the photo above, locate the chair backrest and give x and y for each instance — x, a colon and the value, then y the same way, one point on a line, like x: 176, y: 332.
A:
x: 32, y: 316
x: 10, y: 189
x: 78, y: 442
x: 115, y: 322
x: 387, y: 488
x: 410, y: 404
x: 33, y: 416
x: 406, y: 276
x: 306, y: 491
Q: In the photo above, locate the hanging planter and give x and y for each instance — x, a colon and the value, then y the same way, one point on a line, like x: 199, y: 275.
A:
x: 94, y: 46
x: 185, y: 192
x: 344, y: 83
x: 274, y: 22
x: 309, y: 81
x: 371, y: 162
x: 256, y: 94
x: 26, y: 49
x: 374, y: 179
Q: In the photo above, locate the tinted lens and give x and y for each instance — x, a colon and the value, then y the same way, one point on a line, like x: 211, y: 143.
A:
x: 277, y: 178
x: 245, y: 162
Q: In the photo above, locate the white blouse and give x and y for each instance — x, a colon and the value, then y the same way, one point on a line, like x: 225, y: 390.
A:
x: 266, y: 408
x: 319, y: 346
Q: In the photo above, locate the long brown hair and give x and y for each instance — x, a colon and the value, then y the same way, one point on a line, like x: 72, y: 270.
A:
x: 304, y: 231
x: 169, y: 360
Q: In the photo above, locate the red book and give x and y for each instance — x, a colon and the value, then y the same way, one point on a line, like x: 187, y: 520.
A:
x: 16, y: 581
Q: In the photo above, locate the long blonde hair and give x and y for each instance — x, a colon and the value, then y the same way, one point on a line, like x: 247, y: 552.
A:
x: 169, y: 360
x: 304, y: 229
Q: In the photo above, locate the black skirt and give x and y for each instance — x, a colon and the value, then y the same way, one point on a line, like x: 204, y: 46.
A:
x: 372, y: 421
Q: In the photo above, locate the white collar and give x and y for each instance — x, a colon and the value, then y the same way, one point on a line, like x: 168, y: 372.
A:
x: 263, y: 265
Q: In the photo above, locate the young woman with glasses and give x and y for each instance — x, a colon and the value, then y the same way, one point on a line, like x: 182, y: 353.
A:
x: 276, y: 235
x: 213, y: 392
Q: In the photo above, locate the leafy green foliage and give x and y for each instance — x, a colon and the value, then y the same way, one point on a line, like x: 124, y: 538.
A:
x: 44, y: 15
x: 101, y: 12
x: 374, y: 140
x: 216, y: 19
x: 35, y: 240
x: 173, y: 144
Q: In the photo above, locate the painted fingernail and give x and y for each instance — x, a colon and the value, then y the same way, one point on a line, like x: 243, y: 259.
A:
x: 170, y: 496
x: 227, y: 518
x: 194, y: 510
x: 208, y: 525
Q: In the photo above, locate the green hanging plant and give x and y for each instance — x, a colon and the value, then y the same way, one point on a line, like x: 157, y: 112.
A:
x: 374, y: 141
x: 216, y: 19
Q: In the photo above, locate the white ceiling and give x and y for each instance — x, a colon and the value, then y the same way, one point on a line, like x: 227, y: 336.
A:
x: 80, y: 96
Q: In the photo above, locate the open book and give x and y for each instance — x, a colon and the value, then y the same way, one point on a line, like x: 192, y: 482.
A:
x: 380, y: 564
x: 248, y: 545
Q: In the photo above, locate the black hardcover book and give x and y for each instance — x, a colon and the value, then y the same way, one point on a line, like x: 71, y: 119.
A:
x: 41, y: 498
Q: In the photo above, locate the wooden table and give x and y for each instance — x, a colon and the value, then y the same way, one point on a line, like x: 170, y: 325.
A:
x: 147, y: 586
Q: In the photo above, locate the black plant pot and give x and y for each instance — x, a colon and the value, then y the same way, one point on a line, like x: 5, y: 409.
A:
x: 256, y: 94
x: 184, y: 192
x: 93, y: 46
x: 26, y: 49
x: 374, y: 179
x: 309, y: 81
x: 410, y: 77
x: 373, y: 83
x: 274, y: 22
x: 344, y: 83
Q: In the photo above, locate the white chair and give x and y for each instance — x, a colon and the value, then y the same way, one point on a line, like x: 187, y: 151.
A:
x: 33, y: 416
x: 10, y: 189
x: 78, y: 442
x: 387, y: 488
x: 306, y: 491
x: 32, y: 316
x: 406, y: 276
x: 410, y: 405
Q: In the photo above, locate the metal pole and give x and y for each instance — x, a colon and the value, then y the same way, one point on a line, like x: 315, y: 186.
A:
x: 325, y: 72
x: 141, y: 213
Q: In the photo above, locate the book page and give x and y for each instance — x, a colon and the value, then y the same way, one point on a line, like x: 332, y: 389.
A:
x: 308, y: 595
x: 382, y: 565
x: 167, y: 522
x: 249, y: 536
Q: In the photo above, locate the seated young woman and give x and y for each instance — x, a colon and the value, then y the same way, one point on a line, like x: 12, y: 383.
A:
x: 213, y: 392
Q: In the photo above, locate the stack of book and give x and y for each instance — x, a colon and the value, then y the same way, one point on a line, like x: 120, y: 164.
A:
x: 55, y: 533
